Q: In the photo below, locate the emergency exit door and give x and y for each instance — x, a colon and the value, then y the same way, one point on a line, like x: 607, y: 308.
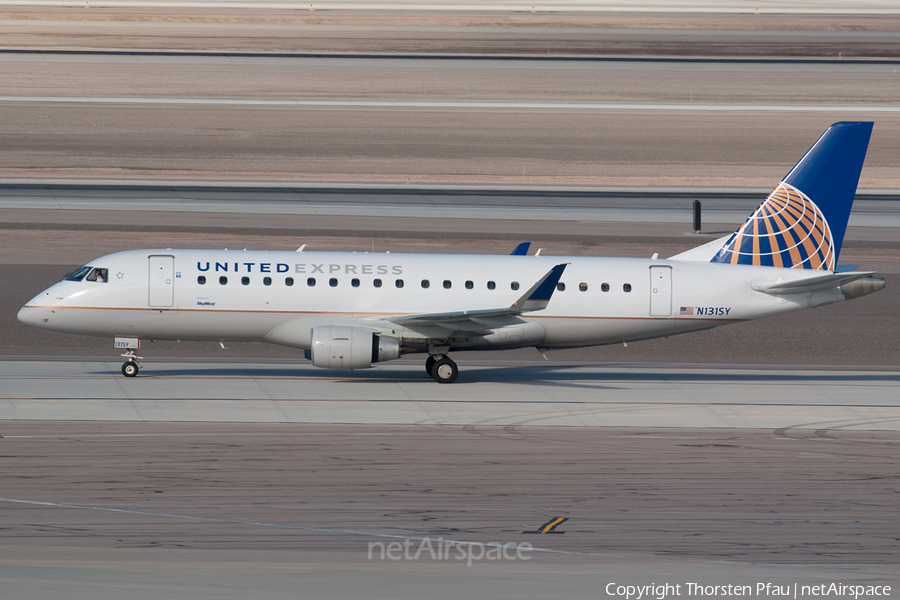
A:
x: 660, y: 291
x: 162, y: 281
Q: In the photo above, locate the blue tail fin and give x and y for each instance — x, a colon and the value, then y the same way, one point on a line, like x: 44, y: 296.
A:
x: 801, y: 224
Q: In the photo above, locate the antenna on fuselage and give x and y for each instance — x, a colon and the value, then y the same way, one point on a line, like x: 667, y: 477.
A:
x: 300, y: 249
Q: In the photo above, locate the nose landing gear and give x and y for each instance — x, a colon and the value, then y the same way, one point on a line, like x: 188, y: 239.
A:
x: 130, y: 367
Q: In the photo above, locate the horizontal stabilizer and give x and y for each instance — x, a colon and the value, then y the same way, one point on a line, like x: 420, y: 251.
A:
x: 811, y: 284
x: 845, y: 268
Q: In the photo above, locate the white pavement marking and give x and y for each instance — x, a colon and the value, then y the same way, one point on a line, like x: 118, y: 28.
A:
x: 462, y: 104
x: 699, y: 6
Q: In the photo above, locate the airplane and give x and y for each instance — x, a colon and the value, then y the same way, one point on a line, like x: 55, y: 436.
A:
x: 350, y: 310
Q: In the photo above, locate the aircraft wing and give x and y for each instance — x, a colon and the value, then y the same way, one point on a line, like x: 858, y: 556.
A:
x: 536, y: 298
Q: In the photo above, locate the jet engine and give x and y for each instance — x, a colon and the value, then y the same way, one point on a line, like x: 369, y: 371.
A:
x: 342, y: 347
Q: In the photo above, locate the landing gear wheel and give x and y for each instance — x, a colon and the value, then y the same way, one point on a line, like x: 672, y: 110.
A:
x: 130, y: 369
x: 429, y: 362
x: 444, y: 370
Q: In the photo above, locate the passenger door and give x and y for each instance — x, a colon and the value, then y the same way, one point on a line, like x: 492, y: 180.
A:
x: 660, y: 291
x: 162, y: 281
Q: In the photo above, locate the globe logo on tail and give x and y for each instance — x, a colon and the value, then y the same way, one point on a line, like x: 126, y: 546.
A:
x: 787, y: 230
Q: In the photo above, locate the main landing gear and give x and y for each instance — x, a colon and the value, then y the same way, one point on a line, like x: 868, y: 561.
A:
x: 130, y: 367
x: 441, y: 368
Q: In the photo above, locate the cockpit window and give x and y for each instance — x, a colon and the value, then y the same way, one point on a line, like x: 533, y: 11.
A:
x: 98, y: 275
x: 78, y: 274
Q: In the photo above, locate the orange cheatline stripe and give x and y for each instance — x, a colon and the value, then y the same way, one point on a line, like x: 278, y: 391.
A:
x: 215, y: 310
x: 368, y: 314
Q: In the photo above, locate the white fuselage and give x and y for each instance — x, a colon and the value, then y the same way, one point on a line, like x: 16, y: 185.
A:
x: 158, y: 294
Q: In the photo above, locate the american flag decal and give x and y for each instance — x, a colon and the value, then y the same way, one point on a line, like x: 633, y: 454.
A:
x: 687, y: 310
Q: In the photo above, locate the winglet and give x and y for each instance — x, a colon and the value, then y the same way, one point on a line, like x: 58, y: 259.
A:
x: 521, y: 249
x: 538, y: 296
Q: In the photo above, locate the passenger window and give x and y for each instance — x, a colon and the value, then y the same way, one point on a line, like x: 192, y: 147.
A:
x: 267, y: 281
x: 514, y: 285
x: 245, y: 281
x: 354, y: 282
x: 492, y: 285
x: 78, y: 275
x: 627, y: 287
x: 311, y: 282
x: 201, y: 280
x: 469, y: 285
x: 604, y: 287
x: 332, y: 282
x: 376, y: 282
x: 582, y: 286
x: 425, y: 284
x: 223, y: 280
x: 289, y: 281
x: 98, y: 275
x: 447, y: 284
x: 399, y: 283
x: 561, y: 286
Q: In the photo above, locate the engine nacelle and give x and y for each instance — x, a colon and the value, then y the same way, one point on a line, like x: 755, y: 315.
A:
x: 345, y: 348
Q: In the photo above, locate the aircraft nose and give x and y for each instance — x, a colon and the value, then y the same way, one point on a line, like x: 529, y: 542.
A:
x: 26, y: 315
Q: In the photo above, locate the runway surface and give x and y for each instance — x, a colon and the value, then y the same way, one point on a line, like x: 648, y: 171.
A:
x: 108, y: 510
x: 499, y: 394
x: 858, y: 29
x: 510, y: 104
x: 702, y: 6
x: 460, y: 121
x: 448, y: 146
x: 647, y: 205
x: 248, y: 77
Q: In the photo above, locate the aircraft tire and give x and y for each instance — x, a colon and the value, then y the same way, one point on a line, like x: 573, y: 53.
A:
x: 130, y: 369
x: 444, y: 371
x: 429, y: 362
